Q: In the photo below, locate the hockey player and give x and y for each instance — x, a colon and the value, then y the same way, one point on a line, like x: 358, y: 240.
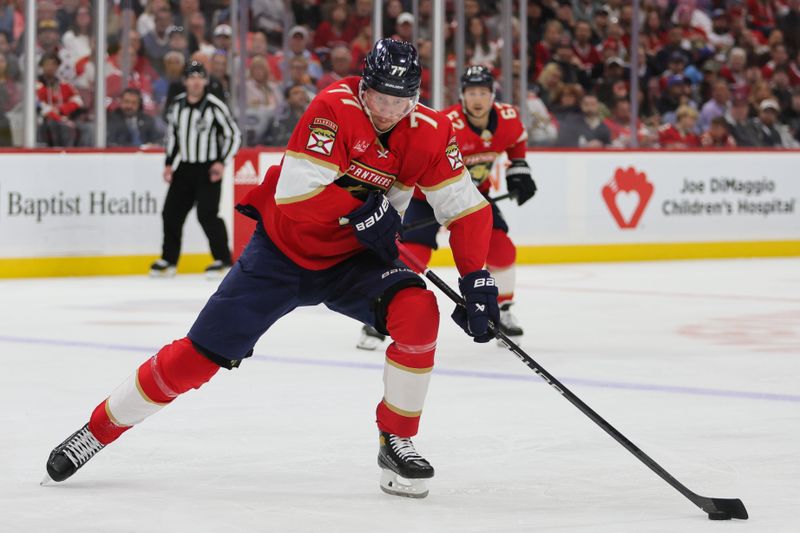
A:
x: 328, y: 218
x: 484, y: 129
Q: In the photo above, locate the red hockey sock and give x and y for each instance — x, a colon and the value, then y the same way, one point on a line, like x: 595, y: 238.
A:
x: 500, y: 262
x: 175, y: 369
x: 413, y: 322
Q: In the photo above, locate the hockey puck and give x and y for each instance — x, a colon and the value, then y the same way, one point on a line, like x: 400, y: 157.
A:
x: 719, y: 515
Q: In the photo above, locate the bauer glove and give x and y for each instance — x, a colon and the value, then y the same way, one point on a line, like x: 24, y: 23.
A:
x: 519, y: 182
x: 480, y: 296
x: 376, y: 225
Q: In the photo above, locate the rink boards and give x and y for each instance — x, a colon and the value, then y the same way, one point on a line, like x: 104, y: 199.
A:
x: 94, y: 212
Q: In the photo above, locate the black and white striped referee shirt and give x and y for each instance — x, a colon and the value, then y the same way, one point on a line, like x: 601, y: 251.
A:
x: 204, y: 132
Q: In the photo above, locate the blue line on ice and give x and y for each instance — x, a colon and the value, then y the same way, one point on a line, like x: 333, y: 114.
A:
x: 477, y: 374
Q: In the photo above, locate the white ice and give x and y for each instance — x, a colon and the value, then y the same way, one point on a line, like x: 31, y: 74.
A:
x: 698, y: 363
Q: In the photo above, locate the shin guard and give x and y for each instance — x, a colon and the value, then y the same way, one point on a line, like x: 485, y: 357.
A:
x: 175, y: 369
x: 413, y: 322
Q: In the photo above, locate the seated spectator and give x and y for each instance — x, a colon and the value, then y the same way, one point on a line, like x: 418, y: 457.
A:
x: 779, y: 58
x: 77, y: 40
x: 280, y: 127
x: 566, y: 106
x: 336, y: 29
x: 177, y: 40
x: 128, y: 125
x: 197, y: 35
x: 734, y: 70
x: 269, y: 15
x: 720, y: 36
x: 146, y: 22
x: 583, y: 48
x: 586, y: 130
x: 11, y: 58
x: 548, y: 83
x: 340, y: 65
x: 619, y: 125
x: 541, y: 128
x: 767, y: 124
x: 156, y: 43
x: 58, y: 104
x: 717, y: 105
x: 173, y: 70
x: 792, y: 115
x: 219, y: 70
x: 298, y: 39
x: 485, y: 52
x: 613, y: 72
x: 298, y: 75
x: 223, y: 38
x: 741, y: 125
x: 717, y: 135
x: 403, y: 25
x: 543, y: 50
x: 681, y: 134
x: 361, y: 45
x: 679, y: 90
x: 571, y: 67
x: 10, y: 97
x: 263, y: 97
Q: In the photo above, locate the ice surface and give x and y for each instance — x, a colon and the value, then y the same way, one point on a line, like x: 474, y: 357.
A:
x: 698, y: 363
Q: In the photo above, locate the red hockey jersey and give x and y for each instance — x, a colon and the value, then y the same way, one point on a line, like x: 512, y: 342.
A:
x: 334, y: 158
x: 481, y: 150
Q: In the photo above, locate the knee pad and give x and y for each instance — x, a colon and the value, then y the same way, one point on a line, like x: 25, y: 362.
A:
x: 502, y: 252
x: 175, y: 369
x: 412, y: 317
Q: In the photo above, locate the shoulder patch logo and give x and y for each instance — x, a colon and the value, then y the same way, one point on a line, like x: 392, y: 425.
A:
x: 454, y: 156
x: 322, y: 136
x: 361, y: 146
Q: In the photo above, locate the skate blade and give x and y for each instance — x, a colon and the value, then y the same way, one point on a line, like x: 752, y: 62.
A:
x: 169, y: 273
x: 370, y: 344
x: 46, y: 480
x: 393, y: 484
x: 216, y: 276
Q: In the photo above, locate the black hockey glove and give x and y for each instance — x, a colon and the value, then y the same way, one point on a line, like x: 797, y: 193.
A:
x: 376, y: 224
x: 480, y: 295
x: 519, y: 181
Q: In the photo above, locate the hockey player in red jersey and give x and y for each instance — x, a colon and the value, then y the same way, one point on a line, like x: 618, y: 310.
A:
x: 328, y: 218
x: 484, y: 130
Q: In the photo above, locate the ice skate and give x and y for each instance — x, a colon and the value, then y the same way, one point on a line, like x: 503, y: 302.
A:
x: 370, y: 339
x: 71, y: 454
x: 404, y: 471
x: 217, y: 270
x: 162, y: 269
x: 508, y: 324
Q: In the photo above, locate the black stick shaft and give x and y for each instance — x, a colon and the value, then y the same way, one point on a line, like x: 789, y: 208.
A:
x: 708, y: 505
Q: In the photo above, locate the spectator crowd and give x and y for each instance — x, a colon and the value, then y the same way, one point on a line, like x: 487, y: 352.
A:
x: 711, y: 73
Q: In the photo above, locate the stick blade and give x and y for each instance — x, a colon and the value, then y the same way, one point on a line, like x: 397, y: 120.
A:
x: 725, y: 509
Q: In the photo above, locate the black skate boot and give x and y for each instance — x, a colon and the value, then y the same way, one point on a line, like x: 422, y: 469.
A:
x: 162, y: 269
x: 370, y: 339
x: 404, y: 470
x: 508, y: 323
x: 217, y: 270
x: 71, y: 454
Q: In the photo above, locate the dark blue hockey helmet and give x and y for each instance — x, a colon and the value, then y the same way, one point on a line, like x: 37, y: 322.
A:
x: 392, y: 67
x: 477, y: 76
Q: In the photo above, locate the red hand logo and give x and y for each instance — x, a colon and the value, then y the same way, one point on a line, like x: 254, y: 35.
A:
x: 626, y: 188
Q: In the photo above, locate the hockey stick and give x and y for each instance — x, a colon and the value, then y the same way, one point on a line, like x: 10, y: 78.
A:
x: 430, y: 221
x: 717, y: 508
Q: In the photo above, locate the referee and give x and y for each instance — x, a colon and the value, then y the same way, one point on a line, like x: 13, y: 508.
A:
x: 202, y: 138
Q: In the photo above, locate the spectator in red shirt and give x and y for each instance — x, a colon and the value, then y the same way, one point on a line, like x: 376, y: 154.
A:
x: 582, y: 46
x: 778, y: 58
x: 681, y: 134
x: 653, y: 33
x: 341, y: 58
x: 544, y: 49
x: 335, y: 29
x: 760, y: 15
x: 717, y: 135
x: 362, y: 15
x: 58, y: 102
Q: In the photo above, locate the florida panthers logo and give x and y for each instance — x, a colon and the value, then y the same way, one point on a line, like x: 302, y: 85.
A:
x: 322, y: 136
x: 454, y: 155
